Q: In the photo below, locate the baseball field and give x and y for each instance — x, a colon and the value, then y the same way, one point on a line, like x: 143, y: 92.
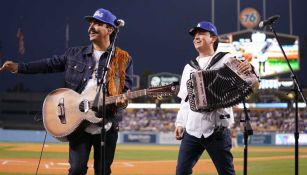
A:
x: 23, y: 158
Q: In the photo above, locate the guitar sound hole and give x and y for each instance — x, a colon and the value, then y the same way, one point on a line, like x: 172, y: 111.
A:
x: 84, y: 106
x: 62, y: 119
x: 61, y: 111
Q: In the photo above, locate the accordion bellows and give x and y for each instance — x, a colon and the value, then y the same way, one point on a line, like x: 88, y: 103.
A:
x: 225, y: 87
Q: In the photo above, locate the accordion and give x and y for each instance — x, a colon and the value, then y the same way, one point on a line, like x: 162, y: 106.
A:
x: 212, y: 89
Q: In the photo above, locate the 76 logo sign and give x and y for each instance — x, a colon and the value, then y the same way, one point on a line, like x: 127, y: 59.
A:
x: 249, y: 18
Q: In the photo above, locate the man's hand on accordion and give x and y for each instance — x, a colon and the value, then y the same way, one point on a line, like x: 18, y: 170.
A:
x: 245, y: 67
x: 179, y: 132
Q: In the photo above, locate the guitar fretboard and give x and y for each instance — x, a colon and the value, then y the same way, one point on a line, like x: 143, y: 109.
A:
x: 129, y: 95
x: 166, y: 90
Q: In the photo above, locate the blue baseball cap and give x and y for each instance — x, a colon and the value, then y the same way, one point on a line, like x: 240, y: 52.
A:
x: 102, y: 15
x: 204, y: 25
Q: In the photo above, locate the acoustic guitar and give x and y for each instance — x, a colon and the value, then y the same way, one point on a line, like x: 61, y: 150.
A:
x: 66, y: 112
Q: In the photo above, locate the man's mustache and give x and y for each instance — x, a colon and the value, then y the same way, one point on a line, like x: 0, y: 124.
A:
x: 92, y: 30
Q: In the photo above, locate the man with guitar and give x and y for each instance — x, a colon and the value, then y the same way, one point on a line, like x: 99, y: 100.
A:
x: 83, y: 66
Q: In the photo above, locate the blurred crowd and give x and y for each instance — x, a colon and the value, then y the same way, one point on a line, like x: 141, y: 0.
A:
x: 154, y: 120
x: 277, y: 120
x: 262, y: 121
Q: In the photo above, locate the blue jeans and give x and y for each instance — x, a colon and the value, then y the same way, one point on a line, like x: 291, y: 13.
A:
x: 80, y: 148
x: 218, y: 146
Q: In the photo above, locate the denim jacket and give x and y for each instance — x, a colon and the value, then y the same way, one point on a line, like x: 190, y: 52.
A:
x: 77, y: 63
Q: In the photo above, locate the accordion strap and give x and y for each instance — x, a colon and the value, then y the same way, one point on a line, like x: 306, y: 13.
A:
x: 193, y: 63
x: 217, y: 57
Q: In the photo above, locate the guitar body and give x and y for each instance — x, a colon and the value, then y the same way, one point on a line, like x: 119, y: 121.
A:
x: 61, y: 114
x: 65, y: 112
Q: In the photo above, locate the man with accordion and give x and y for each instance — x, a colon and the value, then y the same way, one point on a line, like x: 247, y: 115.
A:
x: 210, y: 85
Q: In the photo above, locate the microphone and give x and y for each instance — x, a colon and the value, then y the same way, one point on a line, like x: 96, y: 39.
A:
x: 269, y: 21
x: 119, y: 23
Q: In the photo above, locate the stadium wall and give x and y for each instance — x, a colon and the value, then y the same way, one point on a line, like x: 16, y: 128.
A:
x: 270, y: 139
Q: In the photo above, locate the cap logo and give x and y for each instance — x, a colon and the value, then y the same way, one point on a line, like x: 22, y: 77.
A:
x: 98, y: 13
x: 198, y: 25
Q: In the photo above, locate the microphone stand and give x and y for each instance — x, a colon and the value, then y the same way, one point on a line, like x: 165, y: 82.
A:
x: 297, y: 89
x: 101, y: 105
x: 247, y: 131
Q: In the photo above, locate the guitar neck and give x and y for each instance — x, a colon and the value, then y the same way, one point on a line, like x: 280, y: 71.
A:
x: 129, y: 95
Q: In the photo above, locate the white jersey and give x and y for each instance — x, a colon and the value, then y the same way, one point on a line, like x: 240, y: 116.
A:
x: 92, y: 85
x: 201, y: 123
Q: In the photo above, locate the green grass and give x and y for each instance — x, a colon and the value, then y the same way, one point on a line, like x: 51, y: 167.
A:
x: 158, y: 152
x: 278, y: 167
x: 6, y: 152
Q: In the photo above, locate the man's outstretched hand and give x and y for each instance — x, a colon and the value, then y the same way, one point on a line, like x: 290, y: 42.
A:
x: 9, y: 66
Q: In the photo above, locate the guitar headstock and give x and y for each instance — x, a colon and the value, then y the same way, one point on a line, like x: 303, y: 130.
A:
x: 163, y: 91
